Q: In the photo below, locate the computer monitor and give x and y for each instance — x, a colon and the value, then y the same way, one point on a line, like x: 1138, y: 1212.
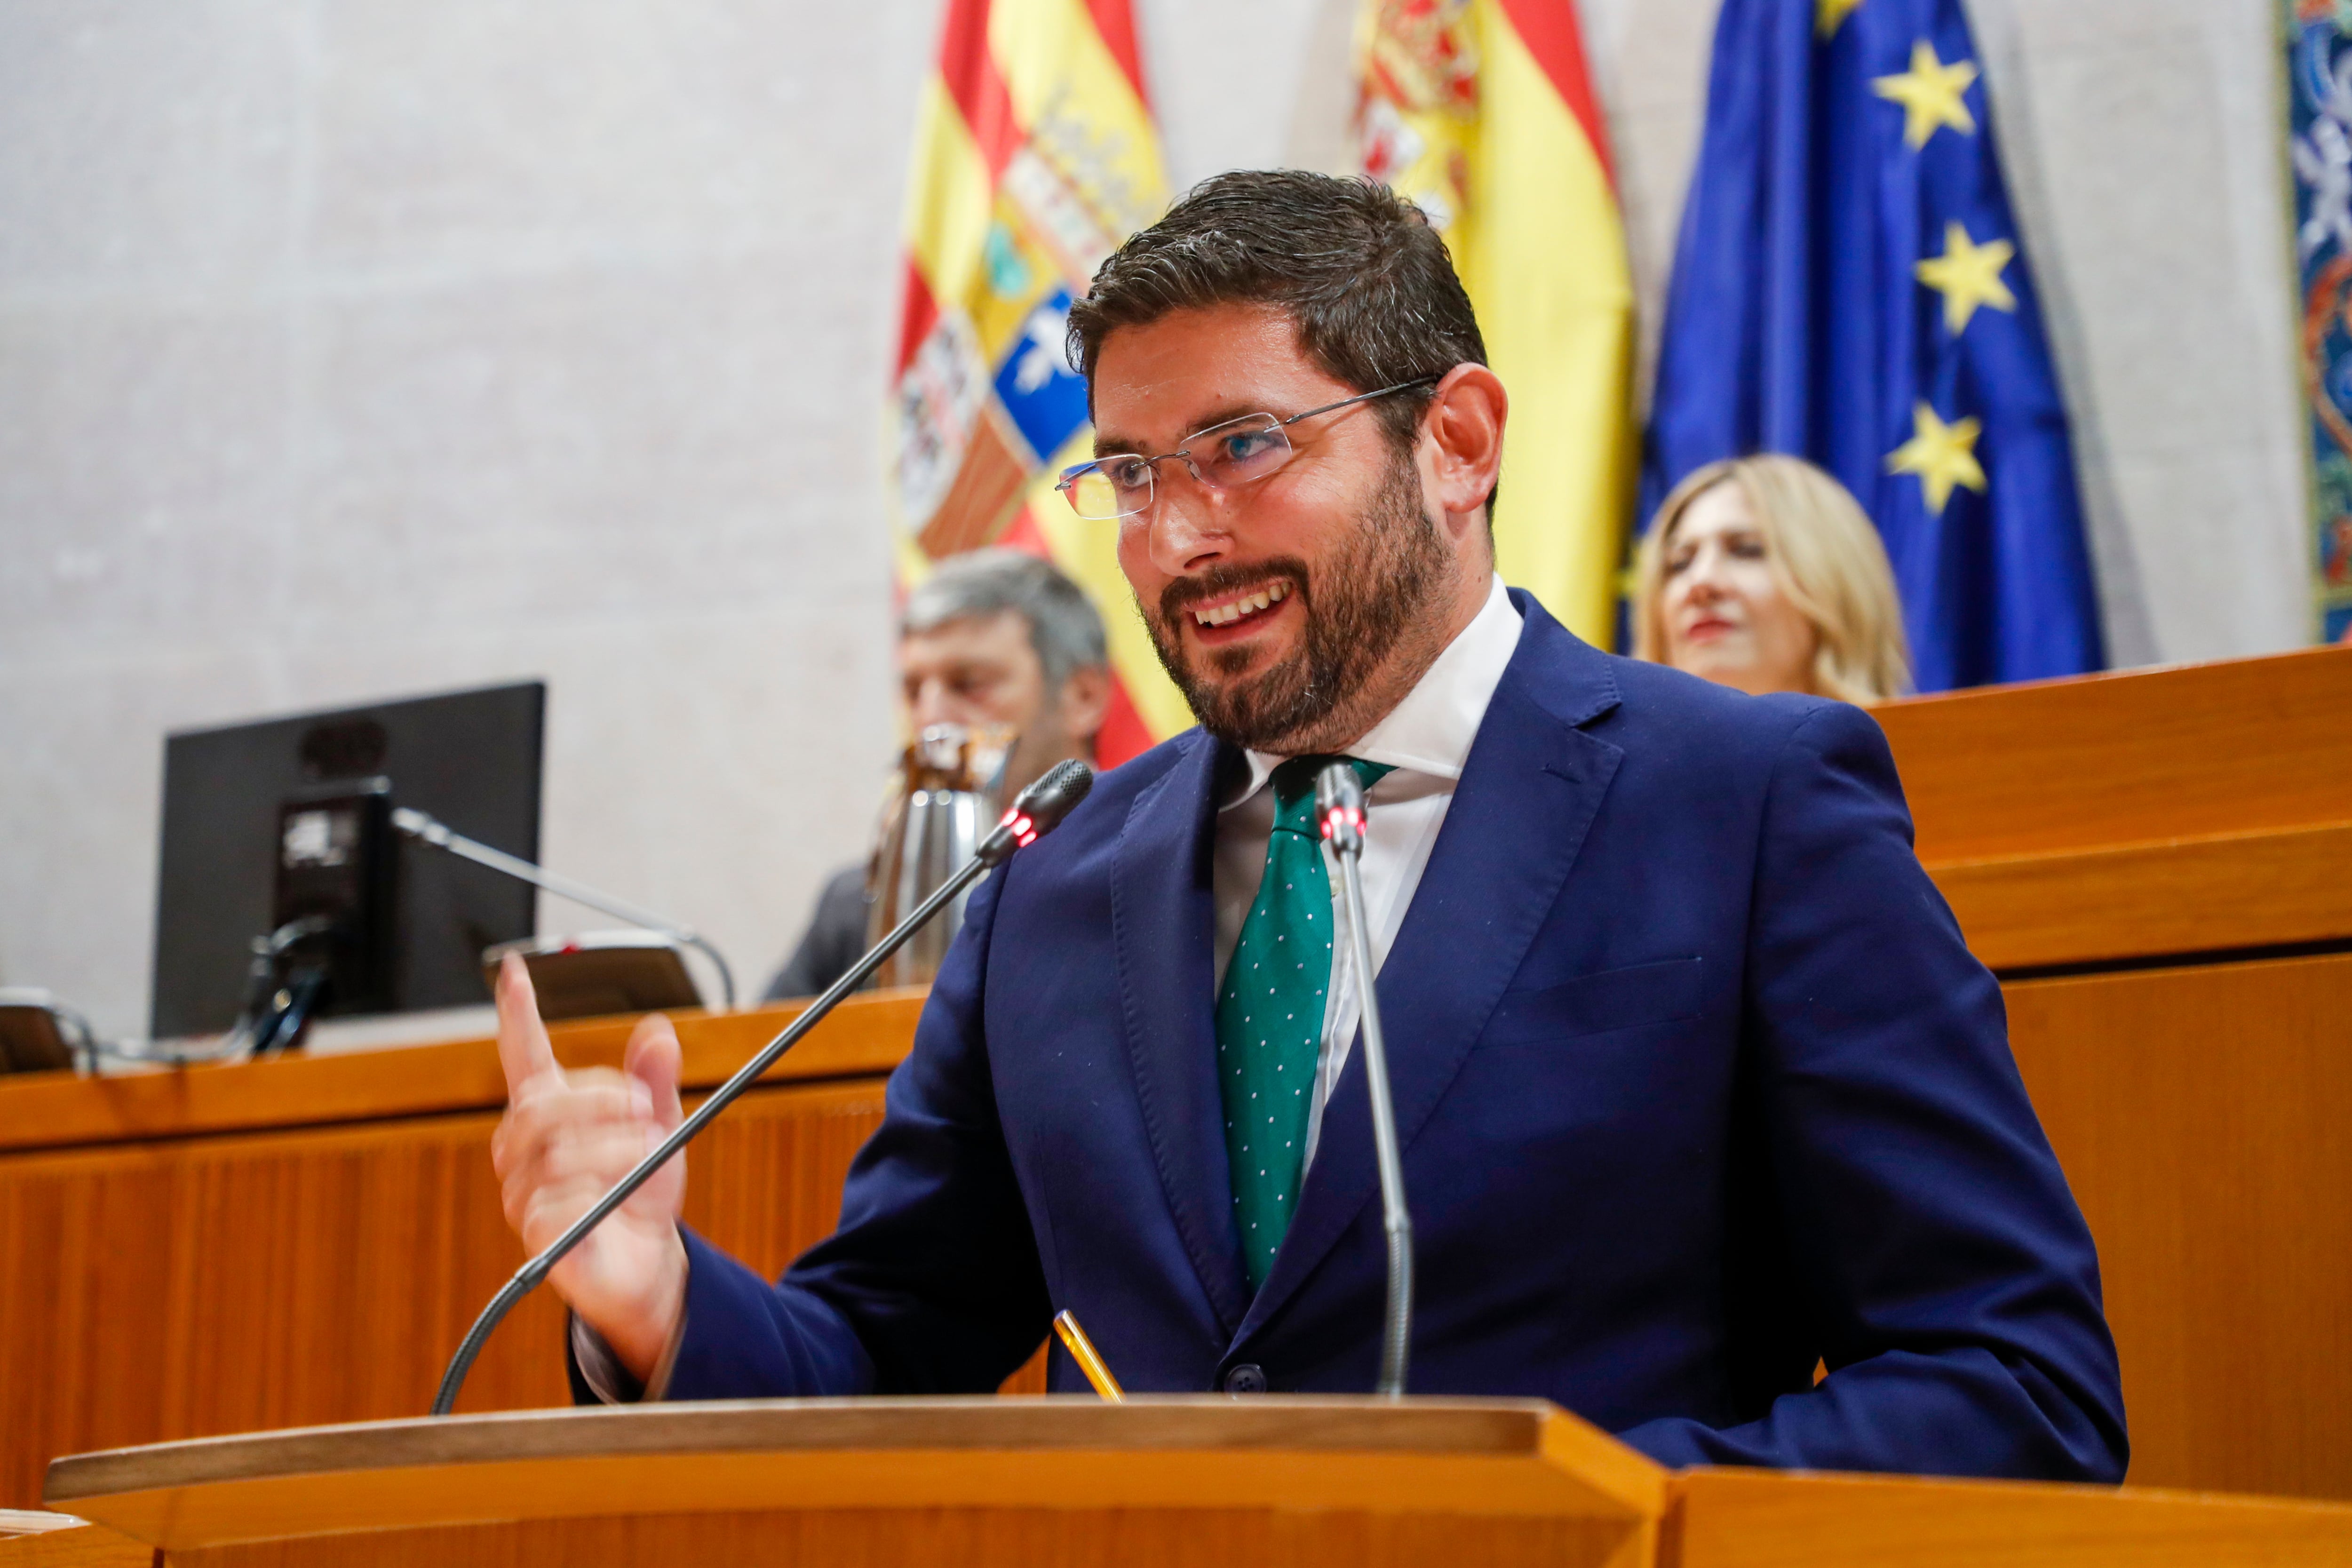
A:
x: 266, y: 822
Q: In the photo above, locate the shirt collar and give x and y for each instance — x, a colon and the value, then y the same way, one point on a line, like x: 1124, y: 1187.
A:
x: 1431, y: 732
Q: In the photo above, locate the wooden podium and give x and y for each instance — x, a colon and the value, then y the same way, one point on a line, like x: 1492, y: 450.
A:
x: 1225, y: 1483
x: 2157, y: 864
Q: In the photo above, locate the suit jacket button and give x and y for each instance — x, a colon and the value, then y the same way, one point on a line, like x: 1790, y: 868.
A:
x: 1246, y: 1378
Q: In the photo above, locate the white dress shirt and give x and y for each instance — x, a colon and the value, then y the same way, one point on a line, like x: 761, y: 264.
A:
x: 1426, y: 739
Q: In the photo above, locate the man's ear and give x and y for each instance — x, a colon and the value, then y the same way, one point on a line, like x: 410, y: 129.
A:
x: 1461, y: 438
x: 1084, y: 701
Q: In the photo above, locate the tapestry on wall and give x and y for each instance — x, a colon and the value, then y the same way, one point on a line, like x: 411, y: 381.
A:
x: 2320, y: 110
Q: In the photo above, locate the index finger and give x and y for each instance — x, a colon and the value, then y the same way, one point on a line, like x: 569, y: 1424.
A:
x: 524, y: 1050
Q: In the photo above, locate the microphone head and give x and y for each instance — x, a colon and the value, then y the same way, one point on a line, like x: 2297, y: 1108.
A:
x: 1050, y: 798
x: 1340, y: 807
x: 1039, y: 809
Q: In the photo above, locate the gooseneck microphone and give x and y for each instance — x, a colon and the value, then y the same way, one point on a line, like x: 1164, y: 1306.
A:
x: 1339, y: 806
x: 1038, y: 811
x: 429, y: 830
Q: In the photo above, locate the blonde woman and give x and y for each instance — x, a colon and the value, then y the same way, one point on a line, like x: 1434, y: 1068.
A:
x: 1763, y: 574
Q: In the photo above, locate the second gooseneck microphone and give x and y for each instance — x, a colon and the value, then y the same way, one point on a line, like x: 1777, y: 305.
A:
x: 1038, y: 811
x: 1340, y: 807
x: 429, y: 830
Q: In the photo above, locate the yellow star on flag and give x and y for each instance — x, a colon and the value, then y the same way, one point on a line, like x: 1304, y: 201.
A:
x: 1929, y: 93
x: 1968, y: 275
x: 1829, y: 16
x: 1942, y: 456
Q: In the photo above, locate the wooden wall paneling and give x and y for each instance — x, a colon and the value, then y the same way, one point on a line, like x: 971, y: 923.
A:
x: 2131, y: 758
x: 979, y: 1537
x: 1757, y: 1519
x: 2200, y: 896
x: 867, y: 1037
x: 85, y: 1546
x: 293, y: 1279
x: 2203, y: 1116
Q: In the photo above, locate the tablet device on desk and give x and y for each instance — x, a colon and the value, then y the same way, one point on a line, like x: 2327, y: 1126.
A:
x: 601, y: 973
x: 36, y: 1035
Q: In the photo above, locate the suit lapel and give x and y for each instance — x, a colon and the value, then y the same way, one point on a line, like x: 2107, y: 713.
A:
x: 1163, y: 921
x: 1529, y: 793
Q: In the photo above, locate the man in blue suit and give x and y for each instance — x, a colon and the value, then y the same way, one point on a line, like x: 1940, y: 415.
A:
x: 1697, y: 1082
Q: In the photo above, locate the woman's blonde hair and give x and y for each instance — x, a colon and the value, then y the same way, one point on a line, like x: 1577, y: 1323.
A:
x: 1826, y: 557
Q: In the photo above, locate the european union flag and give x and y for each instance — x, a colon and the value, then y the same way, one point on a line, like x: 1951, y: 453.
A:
x: 1848, y: 287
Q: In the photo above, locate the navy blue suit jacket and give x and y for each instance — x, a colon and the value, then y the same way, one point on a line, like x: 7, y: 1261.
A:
x: 1697, y: 1080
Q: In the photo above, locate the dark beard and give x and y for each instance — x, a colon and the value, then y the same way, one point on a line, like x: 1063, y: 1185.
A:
x: 1384, y: 576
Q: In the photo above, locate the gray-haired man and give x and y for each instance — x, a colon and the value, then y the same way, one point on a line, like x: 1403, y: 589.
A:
x: 993, y: 637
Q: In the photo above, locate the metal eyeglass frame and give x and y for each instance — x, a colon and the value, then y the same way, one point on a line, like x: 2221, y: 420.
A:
x: 1066, y: 484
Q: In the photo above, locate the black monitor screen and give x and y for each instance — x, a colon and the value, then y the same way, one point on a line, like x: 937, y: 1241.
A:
x: 232, y: 799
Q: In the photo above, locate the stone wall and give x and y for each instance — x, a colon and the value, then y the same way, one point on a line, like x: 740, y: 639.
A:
x: 358, y: 348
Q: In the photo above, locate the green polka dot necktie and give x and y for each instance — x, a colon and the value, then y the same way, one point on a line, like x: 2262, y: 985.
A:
x: 1270, y: 1015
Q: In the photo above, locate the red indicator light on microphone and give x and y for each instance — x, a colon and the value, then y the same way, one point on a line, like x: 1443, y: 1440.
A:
x: 1339, y: 814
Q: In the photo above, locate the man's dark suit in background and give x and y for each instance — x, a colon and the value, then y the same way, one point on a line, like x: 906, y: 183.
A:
x: 835, y: 939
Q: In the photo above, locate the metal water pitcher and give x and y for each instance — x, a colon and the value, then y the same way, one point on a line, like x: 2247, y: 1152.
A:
x: 946, y: 802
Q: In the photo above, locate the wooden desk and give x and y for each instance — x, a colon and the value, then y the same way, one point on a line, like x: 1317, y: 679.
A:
x: 2138, y: 855
x: 304, y: 1241
x: 2088, y: 823
x: 1283, y: 1481
x: 2204, y: 1118
x: 293, y: 1242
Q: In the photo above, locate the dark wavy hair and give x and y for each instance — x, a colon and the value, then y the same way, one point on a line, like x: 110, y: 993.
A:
x: 1367, y: 283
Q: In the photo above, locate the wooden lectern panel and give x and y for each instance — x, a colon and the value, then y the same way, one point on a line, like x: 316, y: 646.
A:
x: 1757, y: 1519
x: 2142, y: 757
x: 1209, y: 1480
x: 2289, y: 889
x: 283, y: 1279
x: 2198, y: 810
x: 85, y: 1546
x: 2203, y: 1116
x: 967, y: 1538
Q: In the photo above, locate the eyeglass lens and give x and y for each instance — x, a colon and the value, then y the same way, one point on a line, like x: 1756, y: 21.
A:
x: 1237, y: 452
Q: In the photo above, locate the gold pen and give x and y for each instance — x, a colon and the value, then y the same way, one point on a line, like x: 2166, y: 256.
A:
x: 1090, y: 1362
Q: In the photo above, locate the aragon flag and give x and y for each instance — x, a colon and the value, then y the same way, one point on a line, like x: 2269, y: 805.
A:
x: 1035, y: 157
x: 1482, y: 111
x: 1849, y: 286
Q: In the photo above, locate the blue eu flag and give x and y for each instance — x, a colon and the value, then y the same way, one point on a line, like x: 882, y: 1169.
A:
x: 1848, y: 287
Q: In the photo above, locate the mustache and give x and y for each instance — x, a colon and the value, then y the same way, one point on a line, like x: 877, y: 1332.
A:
x: 1217, y: 581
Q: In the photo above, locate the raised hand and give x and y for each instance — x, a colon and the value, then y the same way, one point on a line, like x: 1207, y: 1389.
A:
x: 565, y: 1138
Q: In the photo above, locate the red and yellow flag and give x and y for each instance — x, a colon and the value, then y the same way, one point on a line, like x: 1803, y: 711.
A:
x: 1482, y: 111
x: 1035, y: 157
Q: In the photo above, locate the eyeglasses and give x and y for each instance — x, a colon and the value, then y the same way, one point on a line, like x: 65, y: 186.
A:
x: 1238, y: 452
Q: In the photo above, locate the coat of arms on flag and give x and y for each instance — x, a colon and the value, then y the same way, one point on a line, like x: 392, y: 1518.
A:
x: 1481, y: 112
x: 1034, y: 158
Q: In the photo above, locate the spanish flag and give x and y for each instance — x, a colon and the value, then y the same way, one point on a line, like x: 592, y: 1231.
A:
x: 1034, y: 158
x: 1482, y: 111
